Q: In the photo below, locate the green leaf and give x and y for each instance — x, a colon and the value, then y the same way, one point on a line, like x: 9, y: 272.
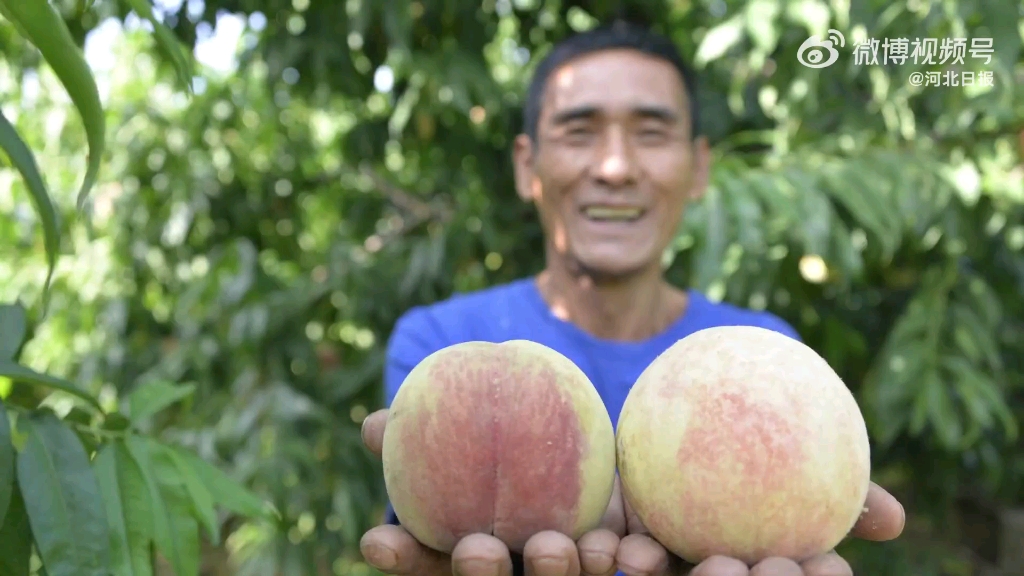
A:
x: 12, y: 328
x: 978, y: 336
x: 745, y: 210
x: 200, y: 498
x: 919, y: 413
x: 116, y: 422
x: 344, y: 383
x: 847, y: 187
x: 187, y: 530
x: 814, y: 220
x: 711, y: 253
x: 842, y: 251
x: 341, y: 503
x: 976, y: 386
x: 21, y: 374
x: 985, y: 301
x: 965, y: 343
x: 916, y: 320
x: 6, y: 463
x: 15, y: 538
x: 719, y: 40
x: 225, y: 491
x: 182, y: 513
x: 64, y: 506
x: 942, y: 413
x: 415, y: 270
x: 41, y: 25
x: 167, y: 43
x: 126, y: 498
x: 25, y: 162
x: 974, y: 403
x: 776, y: 195
x: 79, y: 416
x: 169, y: 540
x: 156, y: 395
x: 997, y: 402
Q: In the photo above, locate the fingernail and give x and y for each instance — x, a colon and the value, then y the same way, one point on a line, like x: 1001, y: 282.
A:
x: 381, y: 557
x: 551, y: 566
x: 600, y: 558
x: 904, y: 512
x: 476, y: 567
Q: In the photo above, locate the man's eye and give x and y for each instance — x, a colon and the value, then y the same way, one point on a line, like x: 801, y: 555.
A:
x: 578, y: 134
x: 652, y: 134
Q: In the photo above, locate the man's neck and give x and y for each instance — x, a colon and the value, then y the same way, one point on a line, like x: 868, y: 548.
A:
x: 629, y: 309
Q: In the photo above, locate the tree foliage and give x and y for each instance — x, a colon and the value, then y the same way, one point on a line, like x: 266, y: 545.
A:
x: 228, y: 288
x: 86, y: 493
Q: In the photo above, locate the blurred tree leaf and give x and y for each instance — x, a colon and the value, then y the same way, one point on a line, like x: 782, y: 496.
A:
x: 23, y: 159
x: 201, y: 501
x: 12, y: 329
x: 170, y: 539
x: 126, y: 500
x: 41, y: 25
x: 21, y: 374
x: 185, y: 510
x: 168, y: 44
x: 15, y: 538
x: 223, y: 489
x: 152, y: 397
x: 64, y: 506
x: 7, y: 476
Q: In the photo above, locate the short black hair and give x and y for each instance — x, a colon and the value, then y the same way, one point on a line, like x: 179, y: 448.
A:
x: 619, y: 34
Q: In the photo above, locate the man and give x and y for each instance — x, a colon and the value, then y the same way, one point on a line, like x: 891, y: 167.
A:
x: 610, y: 158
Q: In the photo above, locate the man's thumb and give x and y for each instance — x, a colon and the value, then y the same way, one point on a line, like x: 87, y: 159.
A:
x: 373, y: 430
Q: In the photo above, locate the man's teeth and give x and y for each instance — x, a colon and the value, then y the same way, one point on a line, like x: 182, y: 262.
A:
x: 612, y: 213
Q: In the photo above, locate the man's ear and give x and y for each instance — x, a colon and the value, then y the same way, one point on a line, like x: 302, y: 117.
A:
x: 701, y: 167
x: 522, y: 163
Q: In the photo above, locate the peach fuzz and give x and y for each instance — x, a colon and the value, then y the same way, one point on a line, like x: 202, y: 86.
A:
x: 507, y: 439
x: 743, y: 442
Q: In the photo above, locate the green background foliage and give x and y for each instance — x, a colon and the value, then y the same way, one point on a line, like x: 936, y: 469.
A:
x: 222, y: 296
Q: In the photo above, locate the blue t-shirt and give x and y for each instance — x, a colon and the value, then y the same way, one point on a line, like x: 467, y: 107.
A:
x: 517, y: 311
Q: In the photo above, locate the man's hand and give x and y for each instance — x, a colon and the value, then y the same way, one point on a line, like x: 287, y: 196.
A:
x: 392, y: 550
x: 641, y: 555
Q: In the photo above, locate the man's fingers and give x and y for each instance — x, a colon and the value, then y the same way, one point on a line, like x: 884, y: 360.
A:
x: 615, y: 516
x: 640, y: 555
x: 597, y: 552
x: 776, y: 567
x: 373, y: 430
x: 883, y: 517
x: 831, y: 564
x: 720, y: 566
x: 481, y: 555
x: 392, y: 550
x: 633, y: 523
x: 551, y: 553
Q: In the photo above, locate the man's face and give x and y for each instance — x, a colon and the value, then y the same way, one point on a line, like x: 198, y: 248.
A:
x: 614, y: 163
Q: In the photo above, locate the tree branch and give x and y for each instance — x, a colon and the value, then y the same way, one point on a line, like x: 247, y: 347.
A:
x: 417, y: 210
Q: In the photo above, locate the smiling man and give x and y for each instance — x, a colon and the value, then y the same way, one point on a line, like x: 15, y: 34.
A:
x: 610, y: 158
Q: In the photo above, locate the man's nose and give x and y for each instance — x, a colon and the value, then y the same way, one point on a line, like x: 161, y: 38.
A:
x: 616, y: 165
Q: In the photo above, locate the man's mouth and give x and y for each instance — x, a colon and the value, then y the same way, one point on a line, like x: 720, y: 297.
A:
x: 612, y: 213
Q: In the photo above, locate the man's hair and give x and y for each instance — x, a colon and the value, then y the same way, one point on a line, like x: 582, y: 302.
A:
x: 617, y: 35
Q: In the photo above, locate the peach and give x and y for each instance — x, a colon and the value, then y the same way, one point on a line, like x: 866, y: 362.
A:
x: 743, y: 442
x: 506, y: 439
